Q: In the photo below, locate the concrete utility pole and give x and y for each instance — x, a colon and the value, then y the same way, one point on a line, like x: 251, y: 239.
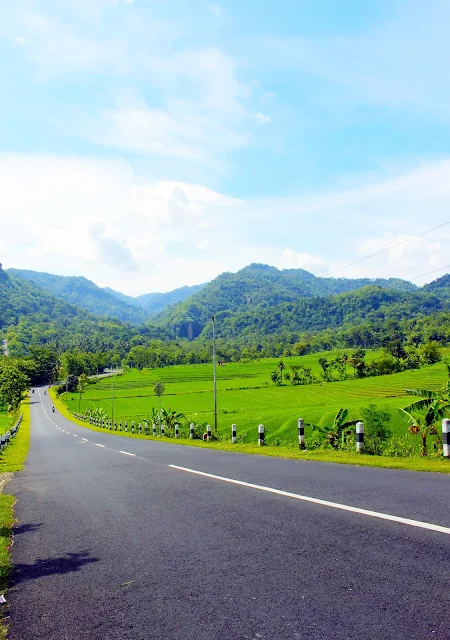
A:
x: 215, y: 376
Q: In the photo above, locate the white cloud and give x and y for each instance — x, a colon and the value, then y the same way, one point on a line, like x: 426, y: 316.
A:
x: 262, y: 119
x: 20, y: 40
x: 295, y: 260
x: 100, y: 219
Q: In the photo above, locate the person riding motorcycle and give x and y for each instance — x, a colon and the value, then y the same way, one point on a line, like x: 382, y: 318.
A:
x: 53, y: 409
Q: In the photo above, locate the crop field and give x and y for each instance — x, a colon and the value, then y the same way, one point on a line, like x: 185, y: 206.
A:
x: 247, y: 397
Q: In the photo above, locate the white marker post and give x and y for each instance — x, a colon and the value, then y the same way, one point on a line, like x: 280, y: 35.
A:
x: 177, y: 431
x: 446, y: 437
x: 162, y: 429
x: 261, y: 435
x: 191, y: 431
x: 301, y: 434
x: 233, y: 434
x: 359, y: 437
x: 208, y: 432
x: 154, y: 428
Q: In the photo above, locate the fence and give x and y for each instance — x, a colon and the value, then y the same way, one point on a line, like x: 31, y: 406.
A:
x: 144, y: 428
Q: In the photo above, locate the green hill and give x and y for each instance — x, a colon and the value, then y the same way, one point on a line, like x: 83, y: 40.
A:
x: 85, y: 294
x: 30, y: 315
x: 259, y: 297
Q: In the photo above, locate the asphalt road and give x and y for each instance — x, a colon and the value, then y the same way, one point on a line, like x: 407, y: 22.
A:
x: 110, y: 545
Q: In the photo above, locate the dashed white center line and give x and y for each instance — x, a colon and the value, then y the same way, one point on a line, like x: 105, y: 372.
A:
x: 99, y: 445
x: 68, y: 432
x: 127, y: 454
x: 85, y: 439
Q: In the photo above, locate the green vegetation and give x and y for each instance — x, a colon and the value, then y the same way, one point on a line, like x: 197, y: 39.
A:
x: 11, y: 460
x: 247, y: 398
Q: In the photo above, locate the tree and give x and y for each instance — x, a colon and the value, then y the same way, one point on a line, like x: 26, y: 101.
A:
x: 275, y: 377
x: 375, y: 430
x: 281, y: 366
x: 82, y: 382
x: 13, y: 383
x: 430, y: 352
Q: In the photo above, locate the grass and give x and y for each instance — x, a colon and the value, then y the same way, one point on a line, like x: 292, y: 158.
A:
x: 247, y: 398
x: 11, y: 460
x: 417, y: 463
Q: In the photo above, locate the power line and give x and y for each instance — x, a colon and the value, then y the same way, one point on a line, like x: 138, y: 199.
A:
x: 429, y: 273
x: 392, y: 247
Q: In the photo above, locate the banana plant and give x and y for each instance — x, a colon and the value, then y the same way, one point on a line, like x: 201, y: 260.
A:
x: 336, y: 432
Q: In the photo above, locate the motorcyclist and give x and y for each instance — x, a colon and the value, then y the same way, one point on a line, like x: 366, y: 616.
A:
x: 53, y: 409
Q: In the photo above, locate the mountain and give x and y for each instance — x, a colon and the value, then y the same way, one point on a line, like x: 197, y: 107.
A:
x: 257, y: 288
x: 154, y: 303
x: 85, y: 294
x: 30, y: 315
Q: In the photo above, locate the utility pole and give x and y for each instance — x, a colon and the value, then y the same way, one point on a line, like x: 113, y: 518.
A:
x: 112, y: 399
x: 215, y: 376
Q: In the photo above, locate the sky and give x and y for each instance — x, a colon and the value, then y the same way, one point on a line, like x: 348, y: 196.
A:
x: 151, y: 144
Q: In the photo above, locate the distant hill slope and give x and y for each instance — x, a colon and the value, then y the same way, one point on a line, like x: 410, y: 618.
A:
x: 154, y: 303
x: 259, y: 287
x: 85, y: 294
x: 30, y: 315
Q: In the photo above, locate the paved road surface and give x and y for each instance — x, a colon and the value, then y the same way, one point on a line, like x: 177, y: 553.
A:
x: 115, y: 546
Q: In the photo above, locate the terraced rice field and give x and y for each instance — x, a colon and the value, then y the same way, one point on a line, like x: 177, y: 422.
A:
x: 246, y: 397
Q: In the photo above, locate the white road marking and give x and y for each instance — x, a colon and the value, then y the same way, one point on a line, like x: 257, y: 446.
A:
x: 127, y: 454
x: 99, y: 445
x: 85, y: 439
x: 68, y: 432
x: 75, y: 435
x: 324, y: 503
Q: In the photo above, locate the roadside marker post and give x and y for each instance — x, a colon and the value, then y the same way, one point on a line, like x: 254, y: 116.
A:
x: 261, y: 435
x: 446, y: 437
x: 191, y: 431
x: 177, y: 431
x: 208, y: 432
x: 162, y: 429
x: 233, y: 434
x: 359, y: 437
x: 301, y: 434
x: 154, y: 428
x: 132, y: 426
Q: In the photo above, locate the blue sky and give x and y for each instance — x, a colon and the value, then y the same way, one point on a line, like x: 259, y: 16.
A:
x: 149, y: 144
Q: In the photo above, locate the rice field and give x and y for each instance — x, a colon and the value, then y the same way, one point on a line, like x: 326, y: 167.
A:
x: 247, y: 397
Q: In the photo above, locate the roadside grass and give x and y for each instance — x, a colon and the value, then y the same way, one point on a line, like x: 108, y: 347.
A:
x: 416, y: 463
x: 11, y: 460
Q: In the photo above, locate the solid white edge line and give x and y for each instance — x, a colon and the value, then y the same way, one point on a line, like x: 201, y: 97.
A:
x: 99, y: 445
x: 324, y: 503
x: 127, y: 454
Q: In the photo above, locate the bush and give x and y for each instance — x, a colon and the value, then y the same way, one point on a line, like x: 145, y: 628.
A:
x: 375, y: 430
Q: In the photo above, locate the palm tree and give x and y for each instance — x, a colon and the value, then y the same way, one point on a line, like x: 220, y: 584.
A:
x: 281, y: 366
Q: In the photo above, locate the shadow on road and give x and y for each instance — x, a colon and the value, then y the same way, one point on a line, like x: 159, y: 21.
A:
x: 25, y: 528
x: 51, y: 566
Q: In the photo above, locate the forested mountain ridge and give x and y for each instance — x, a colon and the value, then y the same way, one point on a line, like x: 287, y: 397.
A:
x: 154, y: 303
x: 85, y: 294
x: 263, y: 286
x: 30, y: 315
x: 103, y: 301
